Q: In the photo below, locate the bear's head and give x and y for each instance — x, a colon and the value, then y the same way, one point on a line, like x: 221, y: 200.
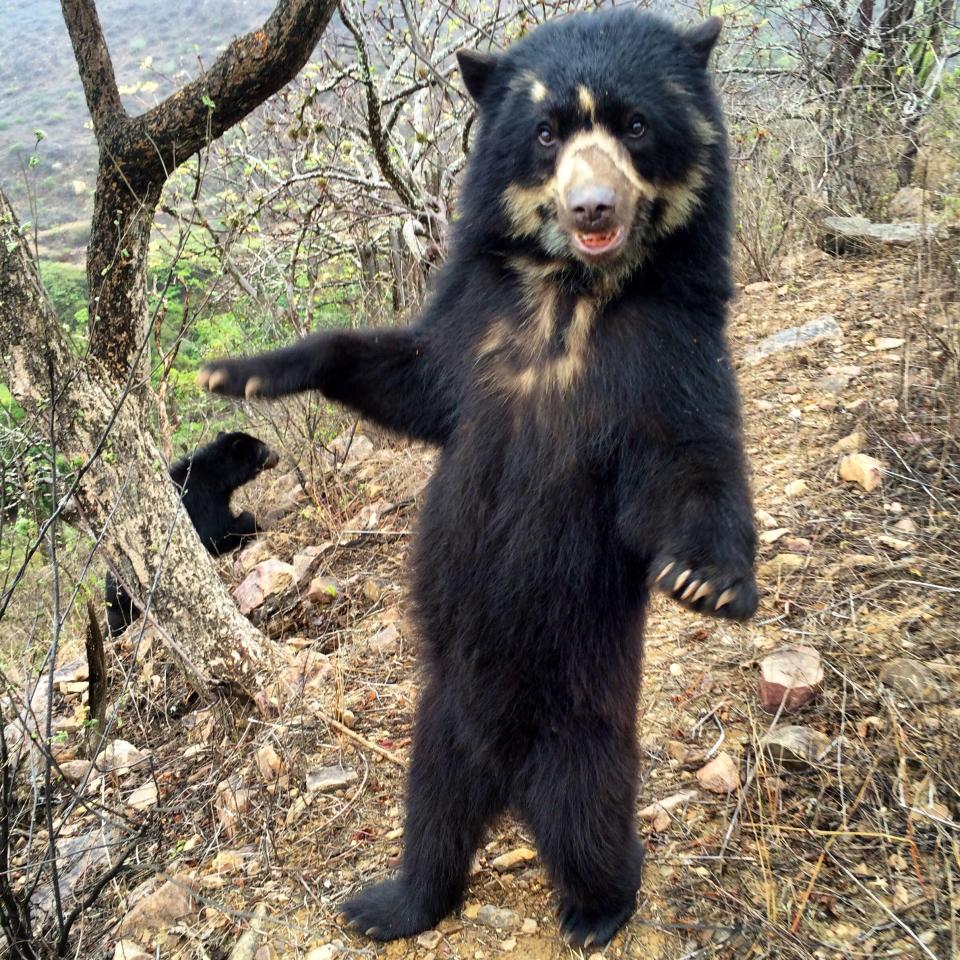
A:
x: 599, y: 135
x: 241, y: 457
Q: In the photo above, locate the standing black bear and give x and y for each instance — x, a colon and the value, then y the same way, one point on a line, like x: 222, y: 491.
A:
x: 572, y: 363
x: 207, y: 480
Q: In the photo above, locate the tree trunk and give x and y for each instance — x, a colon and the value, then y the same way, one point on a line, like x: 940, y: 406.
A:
x: 95, y: 411
x: 123, y: 489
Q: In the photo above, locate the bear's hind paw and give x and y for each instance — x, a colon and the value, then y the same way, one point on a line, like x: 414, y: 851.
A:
x: 388, y: 911
x: 590, y: 928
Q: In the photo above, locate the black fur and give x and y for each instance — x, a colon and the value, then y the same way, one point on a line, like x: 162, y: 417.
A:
x: 206, y: 481
x: 558, y: 501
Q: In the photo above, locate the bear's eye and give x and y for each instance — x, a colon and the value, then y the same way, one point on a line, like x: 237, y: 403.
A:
x: 545, y: 135
x: 637, y: 127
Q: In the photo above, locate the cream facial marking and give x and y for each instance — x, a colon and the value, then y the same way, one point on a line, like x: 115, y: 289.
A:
x: 587, y: 102
x: 538, y: 91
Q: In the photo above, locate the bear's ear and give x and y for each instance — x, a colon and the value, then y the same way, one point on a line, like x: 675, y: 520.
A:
x: 703, y: 36
x: 477, y: 69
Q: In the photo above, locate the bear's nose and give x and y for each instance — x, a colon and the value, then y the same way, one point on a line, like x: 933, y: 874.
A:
x: 592, y: 207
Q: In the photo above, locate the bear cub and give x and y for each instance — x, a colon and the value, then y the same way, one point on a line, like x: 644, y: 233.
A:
x: 572, y: 365
x: 207, y: 480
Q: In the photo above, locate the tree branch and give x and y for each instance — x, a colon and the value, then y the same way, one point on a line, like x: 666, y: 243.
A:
x: 96, y: 68
x: 252, y: 68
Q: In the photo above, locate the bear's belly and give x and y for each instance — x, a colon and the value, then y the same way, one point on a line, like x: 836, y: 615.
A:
x: 519, y: 577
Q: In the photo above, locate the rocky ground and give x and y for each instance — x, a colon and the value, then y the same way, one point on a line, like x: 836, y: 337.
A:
x: 785, y: 815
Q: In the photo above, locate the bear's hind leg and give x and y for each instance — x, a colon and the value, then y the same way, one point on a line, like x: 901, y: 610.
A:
x: 579, y: 800
x: 451, y: 800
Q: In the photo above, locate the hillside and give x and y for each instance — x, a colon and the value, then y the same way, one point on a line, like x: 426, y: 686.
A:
x: 270, y: 816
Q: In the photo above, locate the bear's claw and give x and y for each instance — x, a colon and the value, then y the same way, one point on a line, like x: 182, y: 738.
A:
x: 707, y: 591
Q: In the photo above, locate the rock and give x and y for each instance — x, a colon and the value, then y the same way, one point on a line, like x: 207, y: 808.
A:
x: 512, y: 859
x: 430, y: 939
x: 73, y: 771
x: 852, y: 443
x: 350, y: 451
x: 327, y: 952
x: 230, y: 861
x: 895, y: 543
x: 268, y: 578
x: 908, y: 203
x: 720, y: 775
x: 529, y: 927
x: 906, y: 525
x: 798, y: 545
x: 385, y: 641
x: 323, y: 590
x: 861, y: 469
x: 269, y: 763
x: 232, y: 801
x: 914, y: 681
x: 832, y: 383
x: 372, y: 590
x: 887, y: 343
x: 842, y: 235
x: 791, y: 676
x: 251, y: 555
x: 767, y: 520
x: 795, y: 744
x: 161, y: 909
x: 661, y: 811
x: 772, y: 536
x: 759, y: 286
x: 328, y: 779
x: 119, y: 757
x: 303, y: 562
x: 499, y: 918
x: 824, y: 327
x: 144, y: 797
x: 783, y: 564
x: 128, y: 950
x: 795, y: 488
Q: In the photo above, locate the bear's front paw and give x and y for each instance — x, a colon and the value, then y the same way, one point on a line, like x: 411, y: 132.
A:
x: 232, y: 378
x: 706, y: 589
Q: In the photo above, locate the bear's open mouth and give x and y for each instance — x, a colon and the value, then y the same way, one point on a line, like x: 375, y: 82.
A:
x: 598, y: 244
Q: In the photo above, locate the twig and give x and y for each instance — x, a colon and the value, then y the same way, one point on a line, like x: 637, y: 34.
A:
x: 363, y: 741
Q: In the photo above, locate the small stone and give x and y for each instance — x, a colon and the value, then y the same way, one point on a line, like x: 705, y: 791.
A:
x: 328, y: 779
x: 232, y: 802
x: 73, y: 771
x: 529, y: 927
x: 351, y: 449
x: 119, y: 757
x: 230, y: 861
x: 372, y: 590
x: 159, y: 910
x: 906, y: 525
x: 798, y: 544
x: 327, y: 952
x: 144, y: 797
x: 791, y: 677
x: 759, y: 286
x: 795, y: 488
x: 430, y: 939
x: 323, y: 590
x: 251, y: 555
x: 304, y: 560
x: 914, y: 681
x: 269, y: 763
x: 888, y: 343
x: 772, y: 536
x: 385, y: 641
x: 895, y: 543
x: 782, y: 565
x: 128, y: 950
x: 499, y: 918
x: 796, y: 744
x: 767, y: 520
x: 852, y: 443
x: 268, y: 578
x: 720, y: 775
x: 512, y: 859
x: 660, y: 812
x: 824, y: 327
x: 862, y: 469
